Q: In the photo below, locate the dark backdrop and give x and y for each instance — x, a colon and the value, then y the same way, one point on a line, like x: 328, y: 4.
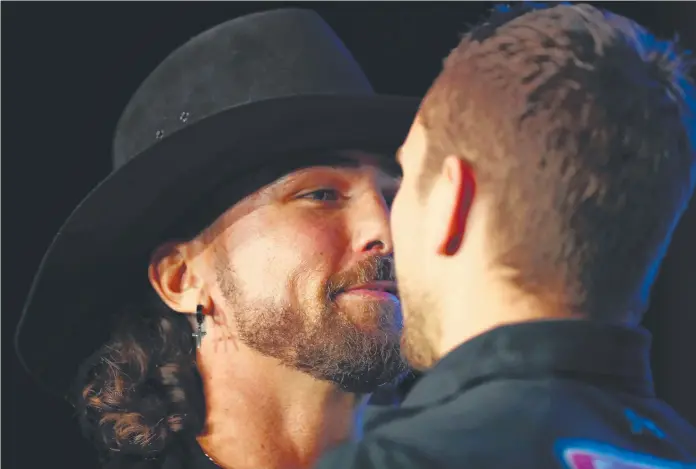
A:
x: 69, y: 69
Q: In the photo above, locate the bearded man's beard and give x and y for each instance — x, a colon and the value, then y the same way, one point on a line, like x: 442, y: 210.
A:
x: 318, y: 338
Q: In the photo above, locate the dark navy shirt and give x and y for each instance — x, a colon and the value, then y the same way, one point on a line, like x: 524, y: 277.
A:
x: 549, y: 394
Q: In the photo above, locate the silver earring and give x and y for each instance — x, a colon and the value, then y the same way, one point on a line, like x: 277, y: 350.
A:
x: 200, y: 328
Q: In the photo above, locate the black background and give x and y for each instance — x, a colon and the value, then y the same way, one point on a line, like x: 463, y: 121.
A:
x: 69, y: 69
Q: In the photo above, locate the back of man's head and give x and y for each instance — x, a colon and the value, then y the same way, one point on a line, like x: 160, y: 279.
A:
x: 579, y: 126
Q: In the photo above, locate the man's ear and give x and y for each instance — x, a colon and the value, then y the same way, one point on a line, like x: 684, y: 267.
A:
x: 454, y: 192
x: 173, y: 279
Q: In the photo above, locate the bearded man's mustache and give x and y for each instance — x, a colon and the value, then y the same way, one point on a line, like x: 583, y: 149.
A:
x: 371, y: 269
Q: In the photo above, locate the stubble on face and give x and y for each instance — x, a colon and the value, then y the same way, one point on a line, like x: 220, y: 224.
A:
x: 419, y: 332
x: 309, y: 331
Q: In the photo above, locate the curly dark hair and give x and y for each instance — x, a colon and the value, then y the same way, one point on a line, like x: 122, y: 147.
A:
x: 140, y: 395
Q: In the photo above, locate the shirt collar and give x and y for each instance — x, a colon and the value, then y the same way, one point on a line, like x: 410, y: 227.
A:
x: 611, y: 355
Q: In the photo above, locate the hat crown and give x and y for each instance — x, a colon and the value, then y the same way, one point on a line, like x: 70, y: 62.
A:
x: 272, y: 54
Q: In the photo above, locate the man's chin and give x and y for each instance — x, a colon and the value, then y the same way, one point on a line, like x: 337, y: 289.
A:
x: 417, y: 351
x: 354, y: 383
x: 369, y: 315
x: 364, y: 378
x: 355, y: 375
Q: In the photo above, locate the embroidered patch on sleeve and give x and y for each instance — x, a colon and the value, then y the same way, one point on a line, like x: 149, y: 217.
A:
x: 583, y: 454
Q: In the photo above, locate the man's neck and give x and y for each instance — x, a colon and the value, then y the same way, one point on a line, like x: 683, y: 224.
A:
x: 263, y: 414
x: 488, y: 303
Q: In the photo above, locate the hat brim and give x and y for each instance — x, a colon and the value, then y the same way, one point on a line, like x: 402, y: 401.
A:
x: 104, y: 242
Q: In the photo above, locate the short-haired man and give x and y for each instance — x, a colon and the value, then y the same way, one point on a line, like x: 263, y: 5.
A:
x: 543, y: 177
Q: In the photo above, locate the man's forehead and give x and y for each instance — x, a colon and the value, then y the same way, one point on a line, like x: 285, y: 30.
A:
x: 242, y: 194
x: 357, y: 159
x: 360, y: 157
x: 384, y: 163
x: 416, y: 141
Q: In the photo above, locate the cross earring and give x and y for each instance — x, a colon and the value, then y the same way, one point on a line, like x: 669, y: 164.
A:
x: 200, y: 329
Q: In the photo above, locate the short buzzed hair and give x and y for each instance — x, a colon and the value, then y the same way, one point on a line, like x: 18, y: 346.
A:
x: 579, y: 126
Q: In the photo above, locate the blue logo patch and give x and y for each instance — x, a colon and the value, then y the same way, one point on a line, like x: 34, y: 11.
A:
x: 584, y: 454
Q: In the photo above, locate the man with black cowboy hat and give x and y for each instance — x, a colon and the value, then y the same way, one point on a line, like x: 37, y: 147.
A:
x: 225, y: 296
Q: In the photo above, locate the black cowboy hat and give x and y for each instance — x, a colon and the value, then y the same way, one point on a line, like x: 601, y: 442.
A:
x: 247, y: 93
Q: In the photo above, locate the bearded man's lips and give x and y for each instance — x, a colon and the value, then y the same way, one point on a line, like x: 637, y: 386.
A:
x: 381, y: 289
